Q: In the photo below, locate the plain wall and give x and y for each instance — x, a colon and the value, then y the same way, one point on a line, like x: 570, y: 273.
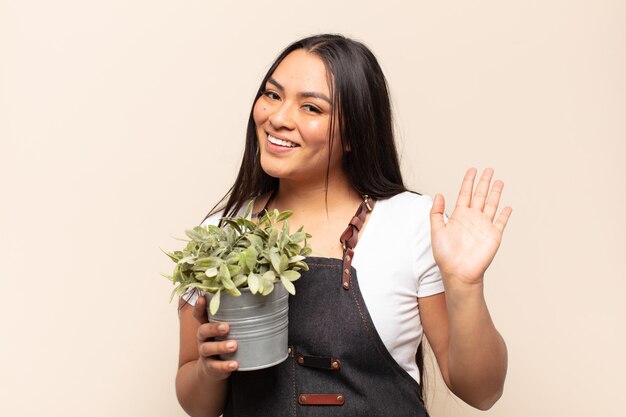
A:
x: 122, y: 123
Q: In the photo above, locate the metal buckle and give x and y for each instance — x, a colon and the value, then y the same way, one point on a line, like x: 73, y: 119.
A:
x: 366, y: 199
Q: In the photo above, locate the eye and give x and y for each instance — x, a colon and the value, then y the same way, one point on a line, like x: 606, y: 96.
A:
x: 311, y: 108
x: 272, y: 95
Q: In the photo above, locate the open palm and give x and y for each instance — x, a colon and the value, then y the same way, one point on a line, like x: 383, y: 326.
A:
x: 465, y: 246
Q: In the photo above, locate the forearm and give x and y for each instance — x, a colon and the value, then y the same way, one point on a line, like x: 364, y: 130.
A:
x: 477, y: 355
x: 197, y: 394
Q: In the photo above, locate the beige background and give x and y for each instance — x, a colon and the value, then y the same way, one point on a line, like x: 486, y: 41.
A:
x: 122, y: 123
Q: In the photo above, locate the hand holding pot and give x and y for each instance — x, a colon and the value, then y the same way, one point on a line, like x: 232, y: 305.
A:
x: 208, y: 349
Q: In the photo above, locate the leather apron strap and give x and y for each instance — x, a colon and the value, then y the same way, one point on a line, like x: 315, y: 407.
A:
x: 350, y: 237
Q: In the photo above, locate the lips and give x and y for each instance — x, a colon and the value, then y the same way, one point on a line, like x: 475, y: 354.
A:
x: 281, y: 142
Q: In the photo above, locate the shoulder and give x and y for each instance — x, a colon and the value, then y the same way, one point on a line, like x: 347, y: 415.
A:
x: 403, y: 219
x: 403, y: 222
x: 408, y: 199
x: 405, y: 207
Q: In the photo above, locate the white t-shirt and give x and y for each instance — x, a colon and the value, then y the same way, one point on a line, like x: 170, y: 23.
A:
x: 395, y: 265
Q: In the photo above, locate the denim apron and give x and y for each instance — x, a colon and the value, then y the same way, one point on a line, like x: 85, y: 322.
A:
x: 337, y: 365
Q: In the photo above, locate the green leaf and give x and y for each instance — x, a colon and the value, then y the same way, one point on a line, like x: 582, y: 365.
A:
x: 206, y: 262
x: 224, y: 277
x: 234, y: 292
x: 175, y: 276
x: 253, y: 283
x: 239, y: 280
x: 193, y: 235
x: 226, y: 280
x: 223, y: 272
x: 296, y: 258
x: 232, y: 223
x: 250, y: 225
x: 284, y: 215
x: 175, y: 292
x: 248, y: 211
x: 255, y: 241
x: 171, y: 255
x: 233, y: 269
x: 271, y: 242
x: 242, y: 259
x: 264, y: 219
x: 268, y: 279
x: 298, y: 237
x: 261, y: 284
x: 232, y: 258
x: 269, y: 276
x: 284, y: 263
x: 276, y: 261
x: 211, y: 272
x: 215, y: 231
x: 301, y: 265
x: 188, y: 260
x: 290, y: 275
x: 250, y: 257
x: 291, y: 289
x: 267, y: 289
x: 214, y: 305
x: 284, y: 236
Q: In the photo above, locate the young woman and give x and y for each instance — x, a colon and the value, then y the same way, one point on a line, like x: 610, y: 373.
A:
x: 320, y: 143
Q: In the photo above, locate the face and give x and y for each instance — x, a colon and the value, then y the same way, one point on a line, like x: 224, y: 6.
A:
x: 292, y: 119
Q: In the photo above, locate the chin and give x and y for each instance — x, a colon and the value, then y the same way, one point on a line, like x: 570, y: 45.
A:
x: 272, y: 170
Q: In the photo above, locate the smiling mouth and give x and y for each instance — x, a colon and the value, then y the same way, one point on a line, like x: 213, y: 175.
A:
x: 281, y: 142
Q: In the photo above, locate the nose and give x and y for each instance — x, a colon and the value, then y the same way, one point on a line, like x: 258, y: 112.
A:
x: 281, y: 116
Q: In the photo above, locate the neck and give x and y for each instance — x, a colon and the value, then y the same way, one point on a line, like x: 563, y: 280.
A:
x: 298, y: 196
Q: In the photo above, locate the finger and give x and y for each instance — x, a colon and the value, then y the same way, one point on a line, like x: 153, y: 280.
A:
x: 503, y: 218
x: 491, y: 205
x: 436, y: 213
x: 220, y: 368
x: 209, y: 330
x: 209, y: 349
x: 199, y: 310
x: 465, y: 193
x: 482, y: 189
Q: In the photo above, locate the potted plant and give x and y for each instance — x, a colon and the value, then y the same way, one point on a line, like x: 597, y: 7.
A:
x: 246, y: 271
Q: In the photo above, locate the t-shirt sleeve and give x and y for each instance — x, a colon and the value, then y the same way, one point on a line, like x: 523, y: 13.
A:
x: 429, y: 275
x: 430, y: 282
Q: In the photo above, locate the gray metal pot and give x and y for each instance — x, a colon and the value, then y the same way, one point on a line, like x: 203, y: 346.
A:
x: 259, y: 325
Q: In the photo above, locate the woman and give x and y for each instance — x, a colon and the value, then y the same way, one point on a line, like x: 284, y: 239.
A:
x: 320, y: 143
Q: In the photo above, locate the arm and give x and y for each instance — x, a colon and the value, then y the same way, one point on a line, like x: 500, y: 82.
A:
x: 201, y: 380
x: 471, y: 353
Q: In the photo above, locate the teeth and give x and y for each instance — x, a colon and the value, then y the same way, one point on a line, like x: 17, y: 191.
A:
x: 281, y: 142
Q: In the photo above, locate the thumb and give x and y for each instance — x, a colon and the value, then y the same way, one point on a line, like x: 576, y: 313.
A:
x: 436, y: 213
x: 199, y: 310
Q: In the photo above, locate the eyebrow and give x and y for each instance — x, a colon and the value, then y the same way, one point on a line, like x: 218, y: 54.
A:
x: 301, y: 94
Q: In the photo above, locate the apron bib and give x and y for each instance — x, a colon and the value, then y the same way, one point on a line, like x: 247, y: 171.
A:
x: 337, y: 365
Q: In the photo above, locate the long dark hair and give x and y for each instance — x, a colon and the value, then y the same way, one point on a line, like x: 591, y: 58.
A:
x: 359, y: 93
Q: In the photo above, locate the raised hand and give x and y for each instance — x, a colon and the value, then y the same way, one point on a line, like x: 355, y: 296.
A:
x: 465, y: 246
